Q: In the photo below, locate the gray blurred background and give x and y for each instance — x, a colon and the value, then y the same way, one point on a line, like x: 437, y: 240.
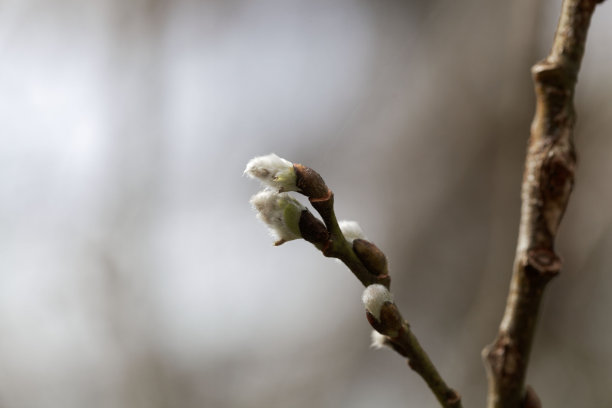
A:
x: 133, y: 272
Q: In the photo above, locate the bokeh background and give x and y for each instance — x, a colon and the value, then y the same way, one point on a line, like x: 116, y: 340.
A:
x: 133, y: 272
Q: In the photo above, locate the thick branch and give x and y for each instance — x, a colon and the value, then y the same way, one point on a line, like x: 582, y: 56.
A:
x: 547, y: 185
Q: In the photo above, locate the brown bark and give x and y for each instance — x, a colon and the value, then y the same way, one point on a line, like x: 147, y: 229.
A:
x: 547, y: 185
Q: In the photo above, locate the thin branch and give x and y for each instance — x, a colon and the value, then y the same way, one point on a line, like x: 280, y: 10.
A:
x: 399, y: 337
x: 369, y: 264
x: 547, y: 185
x: 333, y: 244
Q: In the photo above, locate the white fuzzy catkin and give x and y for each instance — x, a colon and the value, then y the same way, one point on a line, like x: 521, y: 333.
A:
x: 273, y: 171
x: 280, y: 212
x: 374, y: 297
x: 379, y: 341
x: 351, y: 230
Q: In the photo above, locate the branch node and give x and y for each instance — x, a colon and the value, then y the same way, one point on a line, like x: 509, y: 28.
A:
x: 549, y: 73
x: 558, y: 171
x: 504, y: 358
x: 453, y: 398
x: 542, y: 262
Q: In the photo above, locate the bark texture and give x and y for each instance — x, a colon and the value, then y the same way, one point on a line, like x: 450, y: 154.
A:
x: 547, y: 184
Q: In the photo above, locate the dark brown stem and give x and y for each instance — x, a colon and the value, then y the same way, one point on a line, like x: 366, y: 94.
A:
x: 547, y: 185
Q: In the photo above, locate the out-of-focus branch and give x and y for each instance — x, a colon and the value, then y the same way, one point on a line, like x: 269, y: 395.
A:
x: 547, y: 185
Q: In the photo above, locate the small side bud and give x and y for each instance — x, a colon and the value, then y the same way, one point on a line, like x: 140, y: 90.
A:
x: 379, y: 341
x: 351, y: 230
x: 273, y: 171
x: 371, y: 256
x: 280, y: 212
x: 312, y: 229
x: 374, y: 297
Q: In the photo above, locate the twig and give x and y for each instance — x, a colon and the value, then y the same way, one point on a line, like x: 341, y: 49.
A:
x: 369, y: 265
x: 333, y: 244
x: 547, y: 185
x: 396, y: 332
x: 287, y: 219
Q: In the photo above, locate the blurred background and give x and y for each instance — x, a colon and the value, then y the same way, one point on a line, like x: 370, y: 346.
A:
x: 133, y: 272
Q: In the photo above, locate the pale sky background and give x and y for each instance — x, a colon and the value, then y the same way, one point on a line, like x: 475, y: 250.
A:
x: 133, y: 272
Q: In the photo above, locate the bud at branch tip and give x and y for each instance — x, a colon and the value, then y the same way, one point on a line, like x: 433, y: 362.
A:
x: 273, y: 171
